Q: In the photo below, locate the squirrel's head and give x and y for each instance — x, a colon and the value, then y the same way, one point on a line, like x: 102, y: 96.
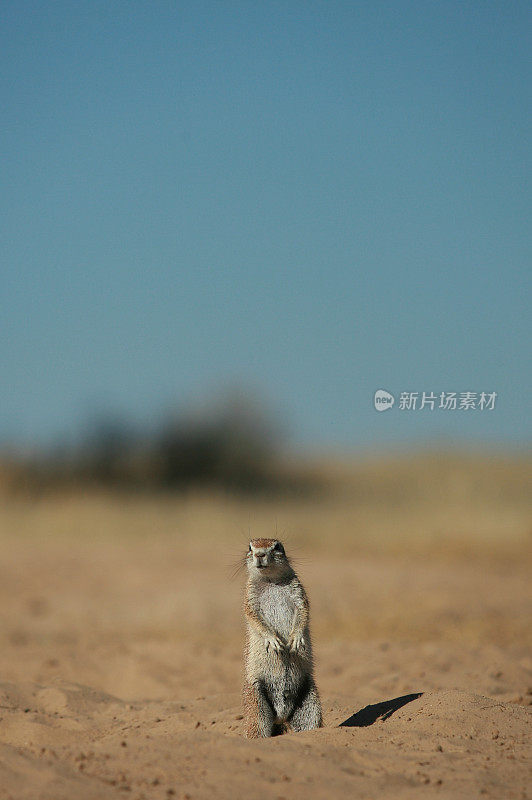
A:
x: 266, y: 558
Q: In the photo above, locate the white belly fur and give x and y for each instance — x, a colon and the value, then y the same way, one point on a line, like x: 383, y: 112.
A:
x: 277, y: 608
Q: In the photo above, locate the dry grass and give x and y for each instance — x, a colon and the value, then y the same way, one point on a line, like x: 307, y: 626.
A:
x: 426, y: 548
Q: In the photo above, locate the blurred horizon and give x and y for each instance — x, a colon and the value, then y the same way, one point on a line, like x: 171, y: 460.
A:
x: 310, y: 201
x: 87, y: 430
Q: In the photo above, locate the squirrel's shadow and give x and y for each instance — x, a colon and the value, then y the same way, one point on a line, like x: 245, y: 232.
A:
x: 370, y: 714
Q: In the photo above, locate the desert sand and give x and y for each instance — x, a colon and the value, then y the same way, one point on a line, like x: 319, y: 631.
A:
x: 121, y: 640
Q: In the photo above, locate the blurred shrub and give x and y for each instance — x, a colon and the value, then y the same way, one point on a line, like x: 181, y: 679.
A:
x: 233, y: 443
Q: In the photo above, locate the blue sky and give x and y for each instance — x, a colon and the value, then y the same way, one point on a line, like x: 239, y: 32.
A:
x: 312, y: 199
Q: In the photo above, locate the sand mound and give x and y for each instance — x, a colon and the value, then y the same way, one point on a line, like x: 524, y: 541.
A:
x: 68, y: 740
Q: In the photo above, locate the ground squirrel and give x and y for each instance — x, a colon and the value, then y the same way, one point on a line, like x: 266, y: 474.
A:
x: 279, y: 689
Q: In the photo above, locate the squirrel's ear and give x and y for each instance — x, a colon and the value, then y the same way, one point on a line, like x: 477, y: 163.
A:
x: 249, y: 548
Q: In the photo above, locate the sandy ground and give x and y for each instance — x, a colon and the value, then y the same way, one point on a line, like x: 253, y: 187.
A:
x: 121, y: 639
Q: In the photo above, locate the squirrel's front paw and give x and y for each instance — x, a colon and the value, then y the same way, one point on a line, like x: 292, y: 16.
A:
x: 297, y: 642
x: 273, y: 642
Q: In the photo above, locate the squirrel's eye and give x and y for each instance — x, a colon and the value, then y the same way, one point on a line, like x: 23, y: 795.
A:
x: 249, y: 549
